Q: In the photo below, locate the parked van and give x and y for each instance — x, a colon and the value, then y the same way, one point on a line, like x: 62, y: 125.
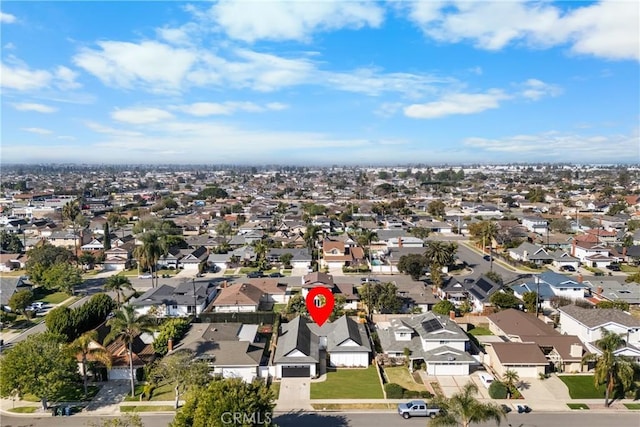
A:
x: 486, y: 379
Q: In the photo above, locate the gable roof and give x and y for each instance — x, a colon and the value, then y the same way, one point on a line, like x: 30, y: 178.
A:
x: 598, y: 317
x: 516, y: 353
x: 296, y: 335
x: 558, y: 280
x: 180, y: 295
x: 517, y: 323
x: 241, y: 294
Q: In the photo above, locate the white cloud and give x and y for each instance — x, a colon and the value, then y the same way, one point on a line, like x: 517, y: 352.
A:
x: 97, y: 127
x: 457, y: 103
x: 203, y: 109
x: 66, y: 78
x: 66, y: 138
x: 155, y: 66
x: 7, y: 18
x: 141, y: 115
x: 39, y: 131
x: 554, y: 145
x: 292, y: 20
x: 535, y: 89
x: 20, y: 77
x: 39, y: 108
x: 607, y: 29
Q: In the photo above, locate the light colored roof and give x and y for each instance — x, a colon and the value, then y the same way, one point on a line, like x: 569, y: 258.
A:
x: 515, y: 322
x: 242, y: 294
x: 596, y: 317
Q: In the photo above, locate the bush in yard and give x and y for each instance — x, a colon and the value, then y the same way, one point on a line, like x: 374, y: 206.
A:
x: 498, y: 390
x: 394, y: 391
x: 173, y: 329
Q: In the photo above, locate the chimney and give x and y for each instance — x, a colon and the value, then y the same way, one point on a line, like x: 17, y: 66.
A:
x: 399, y: 242
x: 580, y: 278
x: 452, y: 315
x: 170, y: 345
x: 576, y: 350
x: 573, y: 247
x: 624, y: 251
x: 599, y: 290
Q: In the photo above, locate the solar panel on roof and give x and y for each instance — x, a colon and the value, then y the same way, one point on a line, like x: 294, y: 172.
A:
x: 484, y: 285
x: 431, y: 325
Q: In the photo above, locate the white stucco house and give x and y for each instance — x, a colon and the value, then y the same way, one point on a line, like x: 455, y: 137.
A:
x: 436, y: 340
x: 588, y: 324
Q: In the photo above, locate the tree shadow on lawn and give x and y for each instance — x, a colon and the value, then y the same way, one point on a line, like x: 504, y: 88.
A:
x: 310, y: 419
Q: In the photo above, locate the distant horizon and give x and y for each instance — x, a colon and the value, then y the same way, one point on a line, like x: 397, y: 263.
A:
x: 320, y: 82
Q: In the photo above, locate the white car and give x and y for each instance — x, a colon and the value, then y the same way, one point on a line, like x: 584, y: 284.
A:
x: 486, y: 379
x: 145, y: 276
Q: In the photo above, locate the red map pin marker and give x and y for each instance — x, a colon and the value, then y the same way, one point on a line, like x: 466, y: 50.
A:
x: 320, y: 304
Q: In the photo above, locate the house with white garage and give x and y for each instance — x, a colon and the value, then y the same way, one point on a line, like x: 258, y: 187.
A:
x: 588, y: 324
x: 302, y: 344
x: 232, y: 350
x: 561, y: 285
x: 526, y: 359
x: 435, y: 340
x: 528, y: 252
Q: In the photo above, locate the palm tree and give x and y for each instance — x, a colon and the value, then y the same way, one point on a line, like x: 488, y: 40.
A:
x: 71, y: 214
x: 153, y: 247
x: 464, y: 408
x: 611, y: 370
x: 438, y: 255
x: 87, y: 345
x: 364, y: 238
x: 127, y: 325
x: 511, y: 378
x: 119, y: 284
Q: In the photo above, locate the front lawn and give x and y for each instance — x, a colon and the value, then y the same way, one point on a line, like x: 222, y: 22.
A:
x: 400, y: 375
x: 24, y: 409
x: 633, y: 406
x: 348, y: 384
x: 629, y: 268
x: 160, y: 393
x: 577, y: 406
x: 146, y: 408
x: 49, y: 296
x: 479, y: 330
x: 582, y: 387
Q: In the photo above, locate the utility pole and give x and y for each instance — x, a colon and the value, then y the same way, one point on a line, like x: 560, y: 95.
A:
x: 195, y: 300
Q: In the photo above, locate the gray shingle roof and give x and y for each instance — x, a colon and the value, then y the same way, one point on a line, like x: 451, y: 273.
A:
x: 296, y: 335
x: 594, y: 318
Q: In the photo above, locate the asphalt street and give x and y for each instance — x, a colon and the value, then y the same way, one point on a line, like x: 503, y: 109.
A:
x: 307, y: 419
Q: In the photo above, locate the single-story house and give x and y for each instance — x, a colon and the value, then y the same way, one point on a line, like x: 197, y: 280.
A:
x: 526, y: 359
x: 169, y: 301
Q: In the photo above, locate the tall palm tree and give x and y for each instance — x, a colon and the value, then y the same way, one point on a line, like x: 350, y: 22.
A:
x: 153, y: 247
x: 70, y: 215
x: 464, y: 408
x: 365, y: 238
x: 119, y: 284
x: 87, y: 345
x: 439, y: 254
x: 127, y: 325
x: 611, y: 370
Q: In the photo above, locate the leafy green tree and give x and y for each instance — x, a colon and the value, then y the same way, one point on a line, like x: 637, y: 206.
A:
x: 635, y: 277
x: 530, y: 300
x: 223, y: 228
x: 560, y: 224
x: 297, y: 305
x: 413, y: 265
x: 127, y: 325
x: 206, y: 407
x: 388, y: 300
x: 40, y: 366
x: 62, y: 276
x: 619, y: 304
x: 436, y: 208
x: 43, y: 257
x: 118, y: 284
x: 20, y: 300
x: 338, y: 306
x: 496, y: 277
x: 420, y: 232
x: 60, y: 321
x: 212, y: 192
x: 464, y: 408
x: 443, y: 307
x: 615, y: 372
x: 86, y: 259
x: 285, y: 259
x: 504, y: 300
x: 182, y: 371
x: 10, y: 242
x: 85, y: 346
x: 483, y: 232
x: 172, y: 329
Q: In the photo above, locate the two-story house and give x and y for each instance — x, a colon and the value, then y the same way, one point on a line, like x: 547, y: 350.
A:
x: 435, y: 340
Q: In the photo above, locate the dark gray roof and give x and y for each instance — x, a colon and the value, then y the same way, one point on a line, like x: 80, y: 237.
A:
x: 296, y: 335
x: 11, y: 285
x: 180, y: 295
x: 596, y: 317
x: 344, y: 329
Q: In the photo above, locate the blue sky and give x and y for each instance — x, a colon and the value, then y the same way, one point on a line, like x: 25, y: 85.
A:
x: 320, y: 82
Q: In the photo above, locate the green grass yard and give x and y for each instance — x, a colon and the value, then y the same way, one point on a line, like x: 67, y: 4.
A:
x: 400, y: 375
x: 160, y: 393
x: 348, y: 384
x: 633, y: 406
x: 582, y: 387
x: 24, y: 409
x: 577, y: 406
x: 479, y: 330
x: 146, y: 408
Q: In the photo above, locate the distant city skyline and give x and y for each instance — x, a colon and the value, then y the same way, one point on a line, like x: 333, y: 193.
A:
x: 320, y: 83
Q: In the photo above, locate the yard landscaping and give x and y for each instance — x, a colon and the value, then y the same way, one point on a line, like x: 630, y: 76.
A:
x: 160, y: 393
x: 633, y: 406
x: 50, y: 297
x: 582, y: 387
x: 348, y: 384
x: 479, y: 330
x: 348, y: 406
x: 577, y: 406
x: 400, y: 375
x: 24, y: 409
x: 146, y: 408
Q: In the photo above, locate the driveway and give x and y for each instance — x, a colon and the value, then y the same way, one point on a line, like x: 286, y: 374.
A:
x: 295, y: 395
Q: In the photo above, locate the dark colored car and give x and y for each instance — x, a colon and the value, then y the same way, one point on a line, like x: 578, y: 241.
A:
x: 505, y: 408
x: 613, y: 267
x: 568, y: 268
x: 255, y: 274
x: 276, y: 274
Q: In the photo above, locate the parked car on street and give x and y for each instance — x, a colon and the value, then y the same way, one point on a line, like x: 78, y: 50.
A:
x: 417, y: 408
x: 145, y: 276
x: 522, y: 409
x: 255, y: 274
x: 568, y: 268
x: 505, y: 408
x: 613, y: 267
x: 276, y: 274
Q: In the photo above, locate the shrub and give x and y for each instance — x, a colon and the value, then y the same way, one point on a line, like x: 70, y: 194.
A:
x: 171, y: 329
x: 498, y: 390
x: 394, y: 391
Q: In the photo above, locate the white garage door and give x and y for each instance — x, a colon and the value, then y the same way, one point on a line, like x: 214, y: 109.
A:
x: 435, y: 369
